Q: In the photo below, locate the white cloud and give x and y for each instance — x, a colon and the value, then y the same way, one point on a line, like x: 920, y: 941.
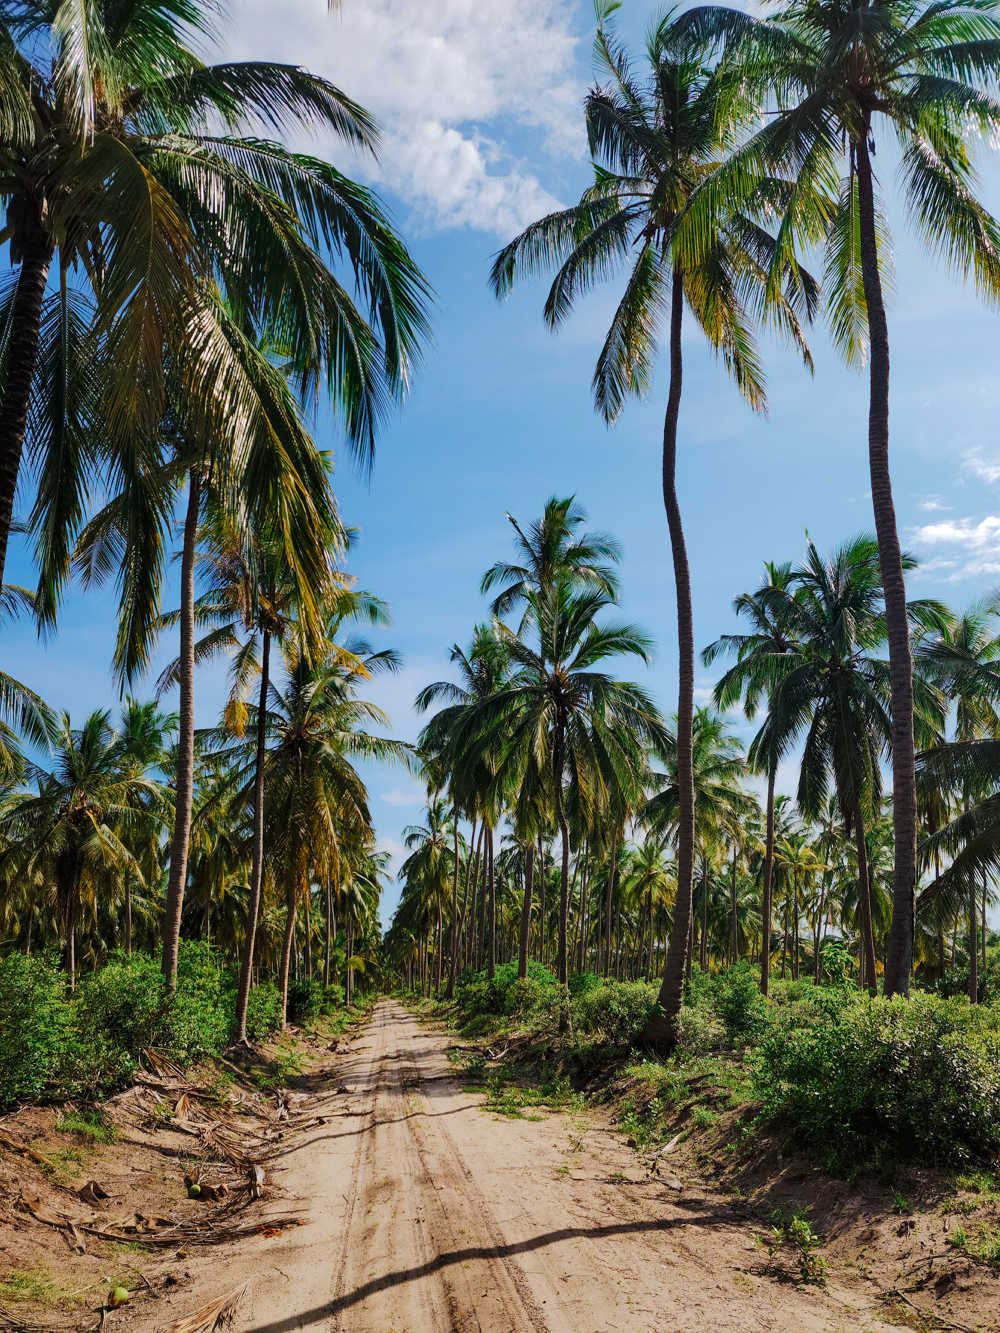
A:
x: 976, y: 543
x: 931, y: 503
x: 403, y: 796
x: 982, y: 465
x: 448, y: 81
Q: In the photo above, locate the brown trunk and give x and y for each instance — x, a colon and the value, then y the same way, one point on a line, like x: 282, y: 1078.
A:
x: 128, y: 914
x: 736, y: 947
x: 982, y: 933
x: 973, y: 941
x: 286, y: 946
x: 612, y: 875
x: 864, y: 900
x: 328, y: 942
x: 185, y: 745
x: 452, y: 961
x: 22, y: 358
x: 522, y: 943
x: 307, y: 932
x: 899, y: 958
x: 440, y: 945
x: 257, y: 863
x: 766, y: 903
x: 662, y: 1030
x: 491, y: 912
x: 703, y: 958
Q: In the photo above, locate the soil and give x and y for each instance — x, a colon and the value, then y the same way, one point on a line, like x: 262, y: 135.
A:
x: 425, y: 1213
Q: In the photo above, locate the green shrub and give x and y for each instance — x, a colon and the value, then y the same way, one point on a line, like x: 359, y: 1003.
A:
x: 477, y: 996
x: 618, y: 1009
x: 305, y: 999
x: 201, y: 1017
x: 34, y: 1027
x: 523, y: 995
x: 333, y: 998
x: 120, y: 1009
x: 740, y: 1006
x: 263, y: 1011
x: 887, y: 1081
x: 955, y: 982
x: 698, y: 1032
x: 582, y: 982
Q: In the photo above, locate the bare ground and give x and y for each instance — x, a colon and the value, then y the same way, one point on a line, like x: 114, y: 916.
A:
x: 425, y: 1214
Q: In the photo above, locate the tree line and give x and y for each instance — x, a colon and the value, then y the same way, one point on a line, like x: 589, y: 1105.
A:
x: 553, y: 818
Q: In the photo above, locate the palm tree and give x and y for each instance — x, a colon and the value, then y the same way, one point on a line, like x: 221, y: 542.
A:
x: 560, y: 716
x: 124, y: 153
x: 833, y: 687
x: 720, y: 800
x: 430, y: 864
x: 653, y: 144
x: 837, y: 75
x: 761, y: 658
x: 76, y: 826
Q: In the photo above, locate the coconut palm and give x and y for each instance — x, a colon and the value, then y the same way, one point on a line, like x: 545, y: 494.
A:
x: 559, y: 716
x: 430, y: 865
x: 654, y: 142
x: 122, y: 152
x: 839, y: 78
x: 834, y: 688
x: 761, y: 658
x: 75, y: 827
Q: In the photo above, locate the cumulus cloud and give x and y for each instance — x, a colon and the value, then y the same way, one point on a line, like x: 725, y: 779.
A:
x: 975, y: 543
x: 985, y: 466
x: 931, y: 503
x: 452, y: 83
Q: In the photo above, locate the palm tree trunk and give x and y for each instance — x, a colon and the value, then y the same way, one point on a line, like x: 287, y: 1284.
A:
x: 973, y: 941
x: 899, y: 959
x: 452, y: 961
x: 440, y: 943
x: 662, y: 1030
x: 128, y: 914
x: 522, y: 944
x: 766, y: 903
x: 185, y: 745
x: 328, y: 944
x: 609, y: 896
x: 307, y: 932
x: 865, y: 902
x: 286, y: 946
x: 736, y: 947
x: 703, y: 958
x: 471, y: 879
x: 982, y: 933
x: 541, y: 901
x: 21, y: 358
x: 257, y: 864
x: 491, y: 911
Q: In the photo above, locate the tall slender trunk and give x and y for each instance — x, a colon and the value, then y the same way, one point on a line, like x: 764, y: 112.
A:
x: 795, y: 925
x: 128, y: 914
x: 865, y: 902
x: 736, y: 947
x: 817, y: 945
x: 608, y: 899
x: 453, y: 960
x: 766, y: 903
x: 973, y: 940
x: 899, y: 959
x: 307, y: 931
x: 328, y: 943
x: 286, y: 945
x: 491, y: 912
x: 471, y: 879
x: 662, y: 1030
x: 703, y: 959
x: 982, y: 933
x: 257, y: 863
x: 22, y: 358
x: 185, y: 745
x: 541, y: 901
x: 522, y: 943
x: 440, y: 943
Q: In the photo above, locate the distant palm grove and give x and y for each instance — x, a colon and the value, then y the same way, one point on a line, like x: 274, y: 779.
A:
x: 185, y: 291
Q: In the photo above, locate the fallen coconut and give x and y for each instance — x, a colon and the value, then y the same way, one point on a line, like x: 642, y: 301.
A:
x: 120, y: 1296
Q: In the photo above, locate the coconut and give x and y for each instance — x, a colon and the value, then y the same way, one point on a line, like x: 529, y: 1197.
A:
x: 120, y: 1296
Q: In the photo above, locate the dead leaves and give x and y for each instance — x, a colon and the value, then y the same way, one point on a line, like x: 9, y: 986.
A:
x: 213, y: 1316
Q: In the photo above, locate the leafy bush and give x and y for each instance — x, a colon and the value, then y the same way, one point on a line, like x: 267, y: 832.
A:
x: 698, y: 1032
x: 582, y: 982
x: 477, y: 996
x: 618, y: 1009
x: 955, y: 982
x: 333, y: 999
x: 523, y: 995
x: 263, y: 1011
x: 201, y: 1017
x: 887, y: 1080
x: 34, y: 1026
x: 120, y: 1009
x: 305, y: 999
x: 740, y: 1006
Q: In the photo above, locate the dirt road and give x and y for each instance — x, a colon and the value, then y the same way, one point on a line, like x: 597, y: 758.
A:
x: 427, y: 1215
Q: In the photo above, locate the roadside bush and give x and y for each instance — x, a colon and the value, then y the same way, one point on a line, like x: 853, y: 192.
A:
x: 617, y: 1009
x: 698, y: 1031
x: 263, y: 1011
x: 955, y: 982
x: 477, y: 997
x: 333, y: 999
x: 740, y: 1006
x: 34, y: 1026
x: 886, y: 1081
x: 580, y: 983
x: 119, y: 1009
x: 305, y: 999
x: 523, y: 995
x: 201, y: 1017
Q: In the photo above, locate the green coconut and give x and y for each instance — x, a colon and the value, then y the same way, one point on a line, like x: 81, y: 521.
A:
x: 194, y: 1192
x: 120, y: 1296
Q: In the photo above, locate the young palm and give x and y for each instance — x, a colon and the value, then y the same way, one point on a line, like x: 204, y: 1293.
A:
x: 560, y: 717
x: 842, y: 75
x: 654, y: 142
x: 762, y: 656
x: 430, y: 865
x: 121, y: 152
x: 834, y: 687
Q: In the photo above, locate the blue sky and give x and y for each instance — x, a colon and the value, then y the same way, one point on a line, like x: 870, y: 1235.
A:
x: 480, y: 104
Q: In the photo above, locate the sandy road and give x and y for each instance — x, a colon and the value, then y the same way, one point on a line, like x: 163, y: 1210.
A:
x: 426, y: 1215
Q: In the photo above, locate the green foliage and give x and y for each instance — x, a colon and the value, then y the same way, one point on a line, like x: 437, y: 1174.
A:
x: 91, y: 1124
x: 697, y: 1030
x: 887, y: 1081
x: 955, y: 981
x: 34, y: 1027
x: 263, y: 1011
x: 505, y: 994
x: 791, y: 1229
x: 305, y: 1000
x: 740, y: 1005
x: 616, y: 1009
